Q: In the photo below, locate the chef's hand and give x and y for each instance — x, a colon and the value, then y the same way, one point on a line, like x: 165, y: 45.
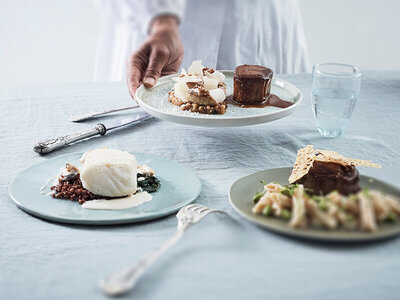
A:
x: 161, y: 54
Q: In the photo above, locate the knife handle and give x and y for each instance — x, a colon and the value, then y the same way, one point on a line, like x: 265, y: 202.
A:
x: 57, y: 143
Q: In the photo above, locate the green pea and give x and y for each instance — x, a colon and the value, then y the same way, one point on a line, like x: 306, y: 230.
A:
x: 317, y: 199
x: 322, y: 205
x: 287, y: 192
x: 391, y: 217
x: 286, y: 214
x: 353, y: 197
x: 267, y: 211
x: 350, y: 218
x: 365, y: 191
x: 257, y: 197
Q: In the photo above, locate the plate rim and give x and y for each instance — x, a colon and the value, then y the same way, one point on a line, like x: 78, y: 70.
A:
x: 125, y: 220
x: 219, y: 122
x: 318, y: 235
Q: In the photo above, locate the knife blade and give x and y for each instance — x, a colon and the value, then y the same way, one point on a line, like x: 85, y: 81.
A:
x: 87, y: 115
x: 100, y: 129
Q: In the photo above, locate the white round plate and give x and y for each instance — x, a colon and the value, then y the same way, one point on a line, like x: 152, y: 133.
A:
x: 179, y: 187
x: 241, y: 198
x: 155, y: 102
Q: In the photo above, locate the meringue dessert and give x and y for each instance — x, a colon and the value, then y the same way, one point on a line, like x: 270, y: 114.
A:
x: 200, y: 89
x: 105, y: 176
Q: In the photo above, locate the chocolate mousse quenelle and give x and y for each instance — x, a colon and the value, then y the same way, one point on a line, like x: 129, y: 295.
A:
x: 252, y: 88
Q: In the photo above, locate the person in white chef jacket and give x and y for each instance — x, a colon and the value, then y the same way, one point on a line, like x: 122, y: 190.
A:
x: 157, y: 37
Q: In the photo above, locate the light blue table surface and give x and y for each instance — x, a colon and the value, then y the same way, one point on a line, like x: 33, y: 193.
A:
x: 221, y: 257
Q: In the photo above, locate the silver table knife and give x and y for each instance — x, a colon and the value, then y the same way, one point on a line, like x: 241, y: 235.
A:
x: 87, y: 115
x: 100, y: 129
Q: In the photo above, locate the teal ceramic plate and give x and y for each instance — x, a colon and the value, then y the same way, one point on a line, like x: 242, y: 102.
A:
x: 243, y: 190
x: 179, y: 187
x: 155, y: 101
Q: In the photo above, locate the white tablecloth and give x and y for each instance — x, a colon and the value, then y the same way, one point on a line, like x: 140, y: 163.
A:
x: 221, y: 257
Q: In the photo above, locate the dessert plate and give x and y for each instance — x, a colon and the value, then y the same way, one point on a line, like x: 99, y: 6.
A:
x: 242, y: 191
x: 179, y: 187
x: 155, y: 102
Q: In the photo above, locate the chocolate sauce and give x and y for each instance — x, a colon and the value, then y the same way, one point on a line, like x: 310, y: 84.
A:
x: 271, y: 100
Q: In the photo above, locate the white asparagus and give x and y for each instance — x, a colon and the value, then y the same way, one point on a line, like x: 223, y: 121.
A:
x: 381, y: 207
x: 263, y: 202
x: 393, y: 203
x: 343, y: 218
x: 367, y: 216
x: 363, y: 210
x: 283, y: 200
x: 350, y: 206
x: 325, y: 219
x: 332, y: 210
x: 273, y: 187
x: 343, y: 202
x: 276, y: 209
x: 299, y: 210
x: 335, y: 197
x: 272, y: 195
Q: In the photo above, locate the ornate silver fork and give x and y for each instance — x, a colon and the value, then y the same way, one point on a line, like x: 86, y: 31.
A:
x: 123, y: 281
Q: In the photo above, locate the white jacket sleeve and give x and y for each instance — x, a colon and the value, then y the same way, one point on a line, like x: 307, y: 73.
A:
x: 140, y: 13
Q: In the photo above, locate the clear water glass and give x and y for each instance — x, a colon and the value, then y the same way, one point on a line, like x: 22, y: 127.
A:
x: 334, y: 93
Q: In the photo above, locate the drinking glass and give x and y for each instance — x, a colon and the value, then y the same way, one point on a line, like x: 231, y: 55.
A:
x: 335, y: 90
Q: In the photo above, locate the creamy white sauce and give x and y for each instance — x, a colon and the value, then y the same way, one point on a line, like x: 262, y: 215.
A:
x: 119, y: 203
x: 45, y: 185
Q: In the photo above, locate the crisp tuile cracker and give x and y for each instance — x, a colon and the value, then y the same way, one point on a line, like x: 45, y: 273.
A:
x: 306, y: 157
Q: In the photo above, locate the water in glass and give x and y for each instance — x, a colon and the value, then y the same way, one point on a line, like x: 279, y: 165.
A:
x: 335, y: 90
x: 332, y: 110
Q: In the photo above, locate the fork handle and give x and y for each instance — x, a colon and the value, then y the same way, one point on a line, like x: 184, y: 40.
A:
x: 123, y: 281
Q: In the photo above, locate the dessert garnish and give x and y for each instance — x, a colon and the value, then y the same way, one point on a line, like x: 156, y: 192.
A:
x: 105, y: 176
x: 324, y: 190
x: 200, y: 89
x: 252, y: 88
